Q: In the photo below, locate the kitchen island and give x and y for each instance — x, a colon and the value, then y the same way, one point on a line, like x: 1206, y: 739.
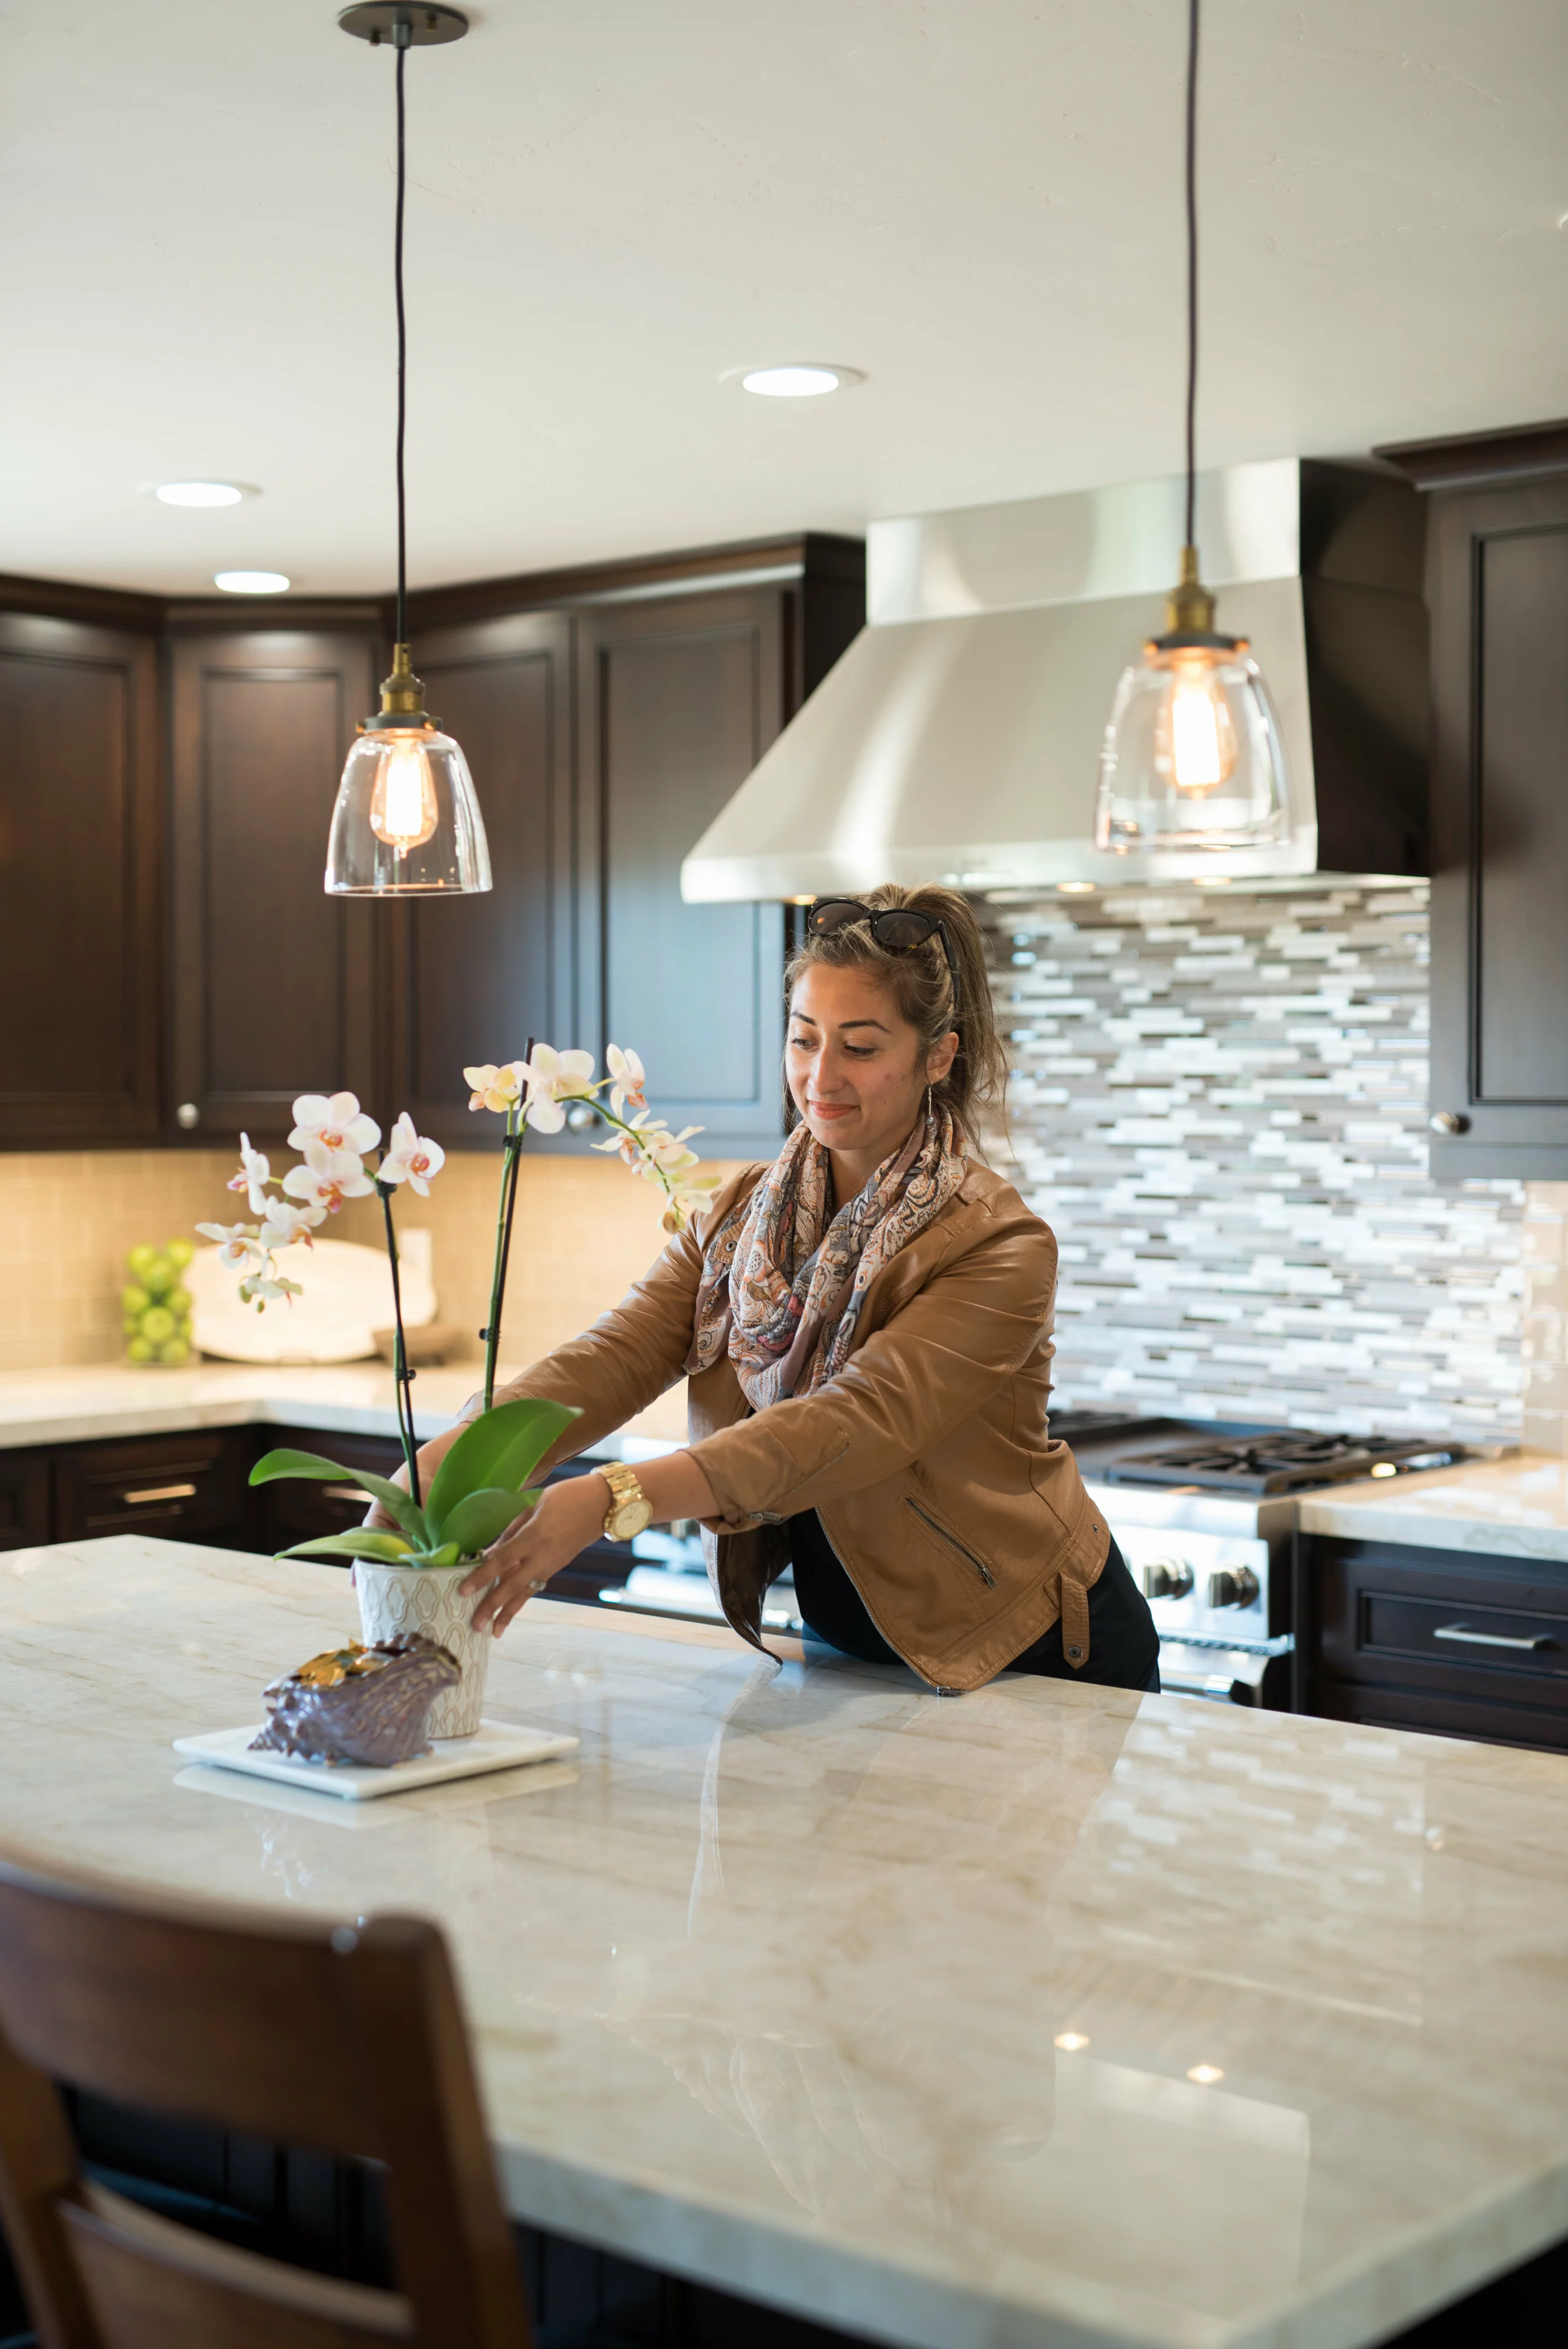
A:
x: 1048, y: 2015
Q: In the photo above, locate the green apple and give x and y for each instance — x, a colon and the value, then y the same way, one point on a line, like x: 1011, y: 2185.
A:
x: 160, y: 1274
x: 140, y: 1257
x: 138, y: 1350
x: 158, y: 1325
x: 178, y: 1253
x: 180, y: 1301
x: 174, y: 1352
x: 133, y: 1298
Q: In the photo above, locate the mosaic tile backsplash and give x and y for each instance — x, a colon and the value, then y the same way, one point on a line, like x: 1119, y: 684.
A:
x: 1220, y: 1106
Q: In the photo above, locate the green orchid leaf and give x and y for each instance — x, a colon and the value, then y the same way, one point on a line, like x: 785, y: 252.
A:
x: 482, y: 1517
x: 387, y: 1549
x: 448, y: 1554
x: 494, y: 1451
x: 392, y: 1497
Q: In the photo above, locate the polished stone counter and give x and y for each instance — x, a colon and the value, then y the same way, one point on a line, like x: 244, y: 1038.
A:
x: 101, y: 1400
x: 1513, y: 1508
x: 1048, y: 2015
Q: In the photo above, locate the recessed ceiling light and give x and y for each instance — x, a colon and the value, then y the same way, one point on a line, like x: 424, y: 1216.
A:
x: 202, y: 493
x: 252, y: 583
x: 1071, y: 2040
x: 796, y: 379
x: 1206, y: 2075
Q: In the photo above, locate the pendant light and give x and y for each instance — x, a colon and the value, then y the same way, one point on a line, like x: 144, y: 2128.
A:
x: 407, y: 824
x: 1192, y: 756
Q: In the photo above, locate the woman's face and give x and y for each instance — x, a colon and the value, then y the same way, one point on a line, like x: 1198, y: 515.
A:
x: 856, y: 1069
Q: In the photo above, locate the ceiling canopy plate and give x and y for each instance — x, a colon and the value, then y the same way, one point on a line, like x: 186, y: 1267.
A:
x: 378, y: 21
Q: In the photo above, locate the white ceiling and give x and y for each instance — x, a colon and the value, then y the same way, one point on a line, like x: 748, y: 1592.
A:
x: 614, y: 202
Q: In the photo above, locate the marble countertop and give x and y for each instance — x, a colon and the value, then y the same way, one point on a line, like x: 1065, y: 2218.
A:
x: 113, y: 1399
x: 1513, y: 1508
x: 1051, y: 2014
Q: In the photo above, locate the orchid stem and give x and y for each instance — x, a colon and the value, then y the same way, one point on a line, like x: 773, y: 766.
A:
x: 511, y: 1150
x: 402, y: 1376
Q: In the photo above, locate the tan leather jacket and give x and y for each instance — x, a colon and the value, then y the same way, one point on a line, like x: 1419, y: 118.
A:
x: 964, y: 1526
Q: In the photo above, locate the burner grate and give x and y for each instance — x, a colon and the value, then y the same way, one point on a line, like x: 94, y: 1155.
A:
x: 1281, y: 1464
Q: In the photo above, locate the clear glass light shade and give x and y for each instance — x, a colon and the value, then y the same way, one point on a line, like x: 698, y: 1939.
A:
x: 1192, y: 755
x: 407, y: 824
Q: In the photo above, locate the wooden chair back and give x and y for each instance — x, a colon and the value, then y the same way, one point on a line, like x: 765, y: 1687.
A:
x: 346, y: 2040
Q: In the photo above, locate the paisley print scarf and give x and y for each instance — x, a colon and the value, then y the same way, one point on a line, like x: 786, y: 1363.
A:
x: 782, y: 1281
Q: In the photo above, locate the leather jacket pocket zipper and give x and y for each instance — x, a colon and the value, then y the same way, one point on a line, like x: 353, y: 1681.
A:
x: 952, y: 1541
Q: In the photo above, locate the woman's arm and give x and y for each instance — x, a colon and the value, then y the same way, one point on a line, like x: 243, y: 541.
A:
x: 569, y: 1516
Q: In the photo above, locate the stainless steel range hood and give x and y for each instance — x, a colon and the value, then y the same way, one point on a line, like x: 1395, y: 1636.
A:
x: 958, y: 739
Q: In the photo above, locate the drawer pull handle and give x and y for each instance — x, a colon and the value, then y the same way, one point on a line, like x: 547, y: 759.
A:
x: 345, y: 1493
x: 1457, y: 1632
x: 158, y: 1493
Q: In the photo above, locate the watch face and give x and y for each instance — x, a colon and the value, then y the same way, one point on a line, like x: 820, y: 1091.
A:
x: 631, y: 1517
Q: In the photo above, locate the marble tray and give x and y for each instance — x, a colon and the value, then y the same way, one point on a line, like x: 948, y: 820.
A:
x: 496, y: 1745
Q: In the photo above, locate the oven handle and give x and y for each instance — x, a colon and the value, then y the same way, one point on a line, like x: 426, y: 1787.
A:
x: 1460, y: 1636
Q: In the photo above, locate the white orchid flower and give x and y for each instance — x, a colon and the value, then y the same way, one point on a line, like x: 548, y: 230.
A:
x: 498, y: 1089
x: 628, y: 1077
x: 286, y: 1223
x: 328, y: 1175
x: 412, y: 1159
x: 255, y: 1175
x: 335, y: 1121
x: 557, y: 1076
x: 260, y: 1289
x: 237, y: 1243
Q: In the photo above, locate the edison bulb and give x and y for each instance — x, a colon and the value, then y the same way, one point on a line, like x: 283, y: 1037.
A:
x: 1199, y: 735
x: 403, y: 809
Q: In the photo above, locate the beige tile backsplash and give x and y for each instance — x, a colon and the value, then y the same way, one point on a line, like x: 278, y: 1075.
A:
x: 584, y: 1230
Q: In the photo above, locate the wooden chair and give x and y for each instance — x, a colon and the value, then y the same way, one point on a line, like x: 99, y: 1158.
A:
x: 348, y: 2041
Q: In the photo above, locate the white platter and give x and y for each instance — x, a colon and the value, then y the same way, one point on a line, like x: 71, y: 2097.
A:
x: 495, y: 1745
x: 347, y: 1296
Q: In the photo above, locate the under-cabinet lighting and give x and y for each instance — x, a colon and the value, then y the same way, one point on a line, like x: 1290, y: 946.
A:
x: 1205, y: 2074
x: 1384, y: 1468
x: 1076, y: 888
x: 1072, y: 2042
x: 200, y: 493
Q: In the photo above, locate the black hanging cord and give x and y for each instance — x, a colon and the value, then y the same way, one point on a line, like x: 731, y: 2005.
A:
x: 402, y: 637
x: 1191, y: 261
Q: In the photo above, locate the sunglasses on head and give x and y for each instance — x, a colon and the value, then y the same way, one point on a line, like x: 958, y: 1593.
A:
x: 896, y: 929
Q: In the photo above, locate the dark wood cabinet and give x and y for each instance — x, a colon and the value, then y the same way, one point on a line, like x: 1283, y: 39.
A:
x: 273, y: 982
x: 473, y: 979
x: 1497, y: 590
x: 1466, y: 1646
x: 80, y: 847
x: 677, y: 703
x: 25, y: 1511
x: 186, y: 1487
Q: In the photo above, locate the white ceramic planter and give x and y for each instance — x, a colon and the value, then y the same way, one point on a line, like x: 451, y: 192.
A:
x: 427, y: 1599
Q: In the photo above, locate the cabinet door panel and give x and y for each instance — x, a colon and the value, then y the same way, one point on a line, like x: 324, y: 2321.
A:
x: 273, y: 979
x: 679, y: 701
x: 79, y: 844
x: 475, y: 977
x: 1500, y: 944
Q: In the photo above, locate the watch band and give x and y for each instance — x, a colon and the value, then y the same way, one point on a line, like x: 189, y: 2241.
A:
x: 624, y: 1488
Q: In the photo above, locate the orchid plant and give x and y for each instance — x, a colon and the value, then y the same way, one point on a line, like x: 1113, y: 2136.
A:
x: 335, y: 1139
x: 531, y: 1095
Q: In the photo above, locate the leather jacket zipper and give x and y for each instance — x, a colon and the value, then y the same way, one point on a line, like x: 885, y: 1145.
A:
x: 952, y: 1541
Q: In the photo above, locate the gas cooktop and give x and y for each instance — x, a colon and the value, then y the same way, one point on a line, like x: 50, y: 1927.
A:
x: 1277, y: 1462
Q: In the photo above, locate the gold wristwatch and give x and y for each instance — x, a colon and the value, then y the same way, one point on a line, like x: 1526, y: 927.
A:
x: 629, y: 1510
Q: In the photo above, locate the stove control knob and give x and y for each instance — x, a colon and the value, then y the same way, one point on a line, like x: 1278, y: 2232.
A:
x: 1167, y: 1577
x: 1235, y: 1586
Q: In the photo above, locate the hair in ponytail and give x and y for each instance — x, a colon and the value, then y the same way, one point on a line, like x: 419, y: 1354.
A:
x: 974, y: 1088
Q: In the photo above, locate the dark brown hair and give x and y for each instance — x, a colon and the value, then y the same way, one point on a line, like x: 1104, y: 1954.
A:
x: 921, y: 989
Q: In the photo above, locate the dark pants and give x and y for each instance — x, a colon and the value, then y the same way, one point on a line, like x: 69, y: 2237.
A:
x: 1123, y: 1646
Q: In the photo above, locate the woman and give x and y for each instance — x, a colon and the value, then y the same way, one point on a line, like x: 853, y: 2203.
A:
x: 866, y: 1328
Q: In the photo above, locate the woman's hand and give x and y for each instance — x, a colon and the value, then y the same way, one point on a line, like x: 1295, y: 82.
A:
x: 568, y: 1516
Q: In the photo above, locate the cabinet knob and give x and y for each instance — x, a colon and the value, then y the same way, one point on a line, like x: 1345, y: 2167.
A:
x: 1449, y: 1121
x: 187, y: 1115
x: 580, y: 1118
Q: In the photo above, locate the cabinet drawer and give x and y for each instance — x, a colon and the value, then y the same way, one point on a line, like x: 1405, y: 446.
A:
x: 296, y: 1509
x: 1464, y: 1638
x: 181, y: 1487
x: 24, y: 1499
